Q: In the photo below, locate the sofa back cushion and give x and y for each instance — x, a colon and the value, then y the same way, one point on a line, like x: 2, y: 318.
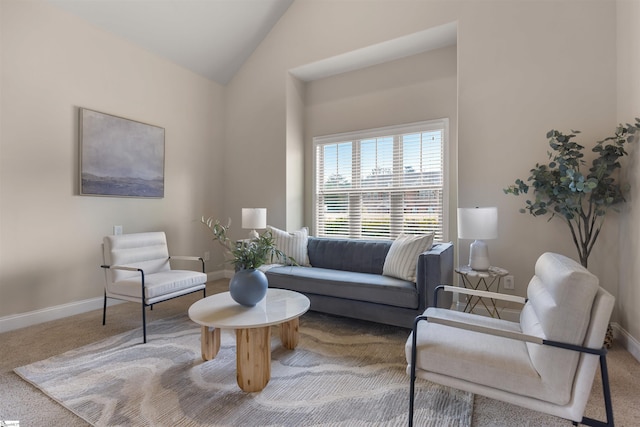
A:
x: 363, y: 256
x: 560, y: 298
x: 292, y: 244
x: 402, y: 258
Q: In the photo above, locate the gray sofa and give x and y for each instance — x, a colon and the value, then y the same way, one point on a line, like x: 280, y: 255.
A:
x: 345, y: 278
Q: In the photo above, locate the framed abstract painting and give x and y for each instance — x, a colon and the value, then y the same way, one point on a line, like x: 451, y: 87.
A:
x: 120, y: 157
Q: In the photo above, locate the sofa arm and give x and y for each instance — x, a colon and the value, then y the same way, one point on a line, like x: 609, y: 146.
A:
x: 435, y: 268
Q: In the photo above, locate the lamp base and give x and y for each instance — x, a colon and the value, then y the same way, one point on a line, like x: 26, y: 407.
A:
x: 253, y: 235
x: 479, y: 256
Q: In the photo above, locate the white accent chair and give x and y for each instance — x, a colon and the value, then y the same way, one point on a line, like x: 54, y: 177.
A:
x: 137, y: 268
x: 546, y: 362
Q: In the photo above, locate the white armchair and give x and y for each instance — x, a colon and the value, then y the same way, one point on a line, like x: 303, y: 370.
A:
x: 546, y: 362
x: 137, y: 268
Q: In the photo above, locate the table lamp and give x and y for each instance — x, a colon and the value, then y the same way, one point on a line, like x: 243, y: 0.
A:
x: 253, y: 218
x: 478, y: 224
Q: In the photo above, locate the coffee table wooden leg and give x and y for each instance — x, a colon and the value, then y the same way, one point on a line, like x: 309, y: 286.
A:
x: 289, y: 333
x: 253, y: 358
x: 210, y: 338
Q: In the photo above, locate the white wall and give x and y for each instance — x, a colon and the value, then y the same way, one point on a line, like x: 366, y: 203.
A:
x: 417, y: 88
x: 524, y: 67
x: 53, y: 63
x: 295, y: 153
x: 628, y: 33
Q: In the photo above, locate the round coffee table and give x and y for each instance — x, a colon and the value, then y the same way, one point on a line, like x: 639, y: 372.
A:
x: 253, y: 330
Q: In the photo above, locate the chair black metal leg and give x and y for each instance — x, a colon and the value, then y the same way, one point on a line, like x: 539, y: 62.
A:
x: 414, y: 355
x: 204, y: 291
x: 144, y: 306
x: 606, y: 391
x: 104, y: 310
x: 413, y: 385
x: 144, y: 323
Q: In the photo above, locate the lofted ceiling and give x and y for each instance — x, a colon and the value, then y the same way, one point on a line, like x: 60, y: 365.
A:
x: 212, y: 38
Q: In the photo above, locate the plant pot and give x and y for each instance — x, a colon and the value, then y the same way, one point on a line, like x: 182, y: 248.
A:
x: 248, y: 287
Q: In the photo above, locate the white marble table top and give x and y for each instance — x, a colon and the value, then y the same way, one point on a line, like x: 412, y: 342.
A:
x: 221, y: 311
x: 491, y: 272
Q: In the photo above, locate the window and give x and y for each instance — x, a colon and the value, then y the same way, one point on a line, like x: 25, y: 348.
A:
x: 382, y: 182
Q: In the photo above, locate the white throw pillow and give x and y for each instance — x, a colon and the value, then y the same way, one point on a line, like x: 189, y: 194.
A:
x: 294, y: 244
x: 403, y: 255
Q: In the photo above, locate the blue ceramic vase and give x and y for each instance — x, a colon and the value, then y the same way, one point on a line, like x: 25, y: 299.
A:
x: 248, y: 287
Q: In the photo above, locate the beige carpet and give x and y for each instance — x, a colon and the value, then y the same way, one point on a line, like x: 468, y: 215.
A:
x: 341, y: 374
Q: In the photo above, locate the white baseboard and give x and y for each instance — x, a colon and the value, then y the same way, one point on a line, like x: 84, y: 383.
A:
x: 628, y: 342
x: 220, y: 274
x: 22, y: 320
x: 228, y: 274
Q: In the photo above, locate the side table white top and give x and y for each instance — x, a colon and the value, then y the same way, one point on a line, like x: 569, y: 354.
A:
x: 491, y: 272
x: 221, y: 311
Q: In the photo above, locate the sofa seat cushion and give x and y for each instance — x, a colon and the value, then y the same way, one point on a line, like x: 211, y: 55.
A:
x: 494, y: 361
x: 367, y: 287
x: 162, y: 283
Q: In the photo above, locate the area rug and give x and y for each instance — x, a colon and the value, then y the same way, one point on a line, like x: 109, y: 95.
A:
x: 343, y: 373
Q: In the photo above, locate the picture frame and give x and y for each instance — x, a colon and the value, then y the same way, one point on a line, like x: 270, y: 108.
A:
x: 120, y: 157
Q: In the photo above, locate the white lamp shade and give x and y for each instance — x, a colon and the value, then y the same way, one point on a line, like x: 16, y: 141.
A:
x: 478, y: 223
x: 254, y: 218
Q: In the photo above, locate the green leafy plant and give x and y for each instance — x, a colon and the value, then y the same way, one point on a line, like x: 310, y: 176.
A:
x: 248, y: 253
x: 580, y: 199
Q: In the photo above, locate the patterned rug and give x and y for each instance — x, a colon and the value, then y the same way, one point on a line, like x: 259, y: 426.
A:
x: 343, y: 373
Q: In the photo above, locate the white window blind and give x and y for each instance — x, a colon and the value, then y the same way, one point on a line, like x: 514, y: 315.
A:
x: 381, y: 182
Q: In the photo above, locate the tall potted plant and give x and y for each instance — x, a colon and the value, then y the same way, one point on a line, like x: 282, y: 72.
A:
x: 580, y: 199
x: 248, y: 285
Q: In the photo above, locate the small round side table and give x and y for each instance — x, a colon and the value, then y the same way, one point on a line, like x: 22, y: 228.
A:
x: 481, y: 281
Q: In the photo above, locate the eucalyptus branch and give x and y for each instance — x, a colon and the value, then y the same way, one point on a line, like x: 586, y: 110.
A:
x: 593, y: 240
x: 582, y: 232
x: 573, y: 235
x: 247, y: 253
